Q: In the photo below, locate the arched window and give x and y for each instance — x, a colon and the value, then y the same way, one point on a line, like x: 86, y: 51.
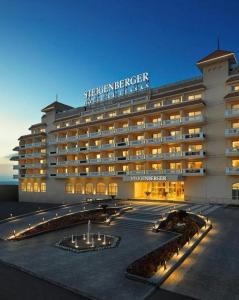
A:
x: 79, y: 188
x: 100, y: 188
x: 23, y: 187
x: 89, y: 188
x: 113, y: 189
x: 29, y: 187
x: 36, y: 187
x: 69, y: 188
x: 43, y: 187
x: 235, y: 191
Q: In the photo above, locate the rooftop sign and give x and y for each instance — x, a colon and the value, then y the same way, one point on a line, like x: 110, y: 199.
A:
x: 118, y: 88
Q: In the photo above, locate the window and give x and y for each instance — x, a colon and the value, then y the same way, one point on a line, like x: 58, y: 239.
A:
x: 235, y: 163
x: 111, y: 168
x: 157, y: 135
x: 156, y: 166
x: 87, y: 120
x: 235, y: 106
x: 175, y: 166
x: 99, y: 117
x: 194, y: 113
x: 194, y: 148
x: 194, y: 130
x: 43, y: 187
x: 140, y: 137
x: 89, y: 188
x: 36, y: 187
x: 139, y: 152
x: 175, y: 133
x: 235, y: 88
x: 79, y: 188
x: 126, y: 111
x: 176, y: 100
x: 140, y: 108
x: 29, y: 187
x: 195, y: 97
x: 158, y: 104
x: 113, y: 189
x: 235, y: 191
x: 125, y: 125
x: 23, y: 187
x: 140, y: 122
x: 174, y: 117
x: 69, y: 188
x: 156, y: 151
x: 235, y: 144
x: 125, y: 168
x: 195, y: 165
x: 157, y: 120
x: 139, y: 167
x: 100, y: 188
x: 112, y: 114
x: 174, y: 149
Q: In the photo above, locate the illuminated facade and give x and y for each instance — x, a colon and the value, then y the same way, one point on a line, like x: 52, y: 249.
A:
x: 175, y: 142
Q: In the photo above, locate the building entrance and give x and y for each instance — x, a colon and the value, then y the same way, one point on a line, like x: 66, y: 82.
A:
x: 168, y: 190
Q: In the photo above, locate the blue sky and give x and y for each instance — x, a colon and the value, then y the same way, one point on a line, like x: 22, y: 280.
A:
x: 67, y: 47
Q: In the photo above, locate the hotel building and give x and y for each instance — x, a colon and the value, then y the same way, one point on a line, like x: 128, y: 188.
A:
x: 175, y: 142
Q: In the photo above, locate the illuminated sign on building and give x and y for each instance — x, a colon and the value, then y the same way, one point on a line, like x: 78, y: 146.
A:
x: 118, y: 88
x: 136, y: 178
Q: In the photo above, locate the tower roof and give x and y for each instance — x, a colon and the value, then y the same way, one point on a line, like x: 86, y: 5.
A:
x: 217, y: 55
x: 58, y: 106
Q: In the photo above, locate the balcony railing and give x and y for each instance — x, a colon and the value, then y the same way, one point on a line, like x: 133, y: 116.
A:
x: 232, y: 151
x: 231, y: 131
x: 232, y: 171
x: 231, y: 113
x: 32, y: 166
x: 133, y: 128
x: 33, y: 175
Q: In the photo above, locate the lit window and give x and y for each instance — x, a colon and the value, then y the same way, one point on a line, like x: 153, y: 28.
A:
x: 193, y: 148
x: 235, y: 88
x: 235, y: 106
x: 113, y: 189
x: 125, y: 168
x: 125, y: 125
x: 100, y: 188
x: 23, y: 187
x: 158, y: 104
x: 235, y: 163
x: 175, y: 166
x: 175, y: 133
x: 79, y: 188
x: 174, y: 149
x: 235, y: 144
x: 89, y: 188
x: 36, y: 187
x: 235, y: 125
x: 139, y: 152
x: 156, y: 166
x: 140, y: 122
x: 99, y: 117
x: 126, y: 111
x: 195, y: 165
x: 176, y: 100
x: 174, y: 117
x: 43, y: 187
x: 112, y: 114
x: 125, y: 153
x: 139, y: 167
x: 87, y: 120
x: 140, y: 137
x: 194, y: 113
x: 69, y: 188
x: 111, y: 168
x: 157, y: 120
x: 157, y: 135
x: 29, y: 187
x: 140, y: 108
x: 195, y: 97
x: 194, y: 130
x: 156, y: 151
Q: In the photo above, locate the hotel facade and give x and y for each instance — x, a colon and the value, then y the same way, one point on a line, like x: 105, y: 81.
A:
x: 176, y: 142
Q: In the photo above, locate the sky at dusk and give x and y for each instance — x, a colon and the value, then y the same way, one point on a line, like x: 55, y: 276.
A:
x: 65, y: 47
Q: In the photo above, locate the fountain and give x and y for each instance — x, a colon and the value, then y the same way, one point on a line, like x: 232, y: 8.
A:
x: 88, y: 241
x: 88, y: 233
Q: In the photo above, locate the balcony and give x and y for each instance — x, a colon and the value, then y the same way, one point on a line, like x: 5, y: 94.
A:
x: 153, y: 125
x: 15, y: 167
x: 34, y: 145
x: 193, y: 172
x: 172, y: 122
x: 137, y: 142
x: 193, y: 137
x: 195, y: 119
x: 153, y: 141
x: 232, y: 151
x: 15, y: 176
x: 33, y: 175
x: 231, y: 113
x: 32, y: 166
x: 138, y: 172
x: 137, y: 127
x: 107, y: 132
x: 94, y: 147
x: 194, y: 154
x: 230, y: 132
x: 107, y: 146
x: 232, y: 171
x: 32, y: 155
x: 122, y: 130
x: 154, y: 156
x: 95, y: 134
x: 137, y: 157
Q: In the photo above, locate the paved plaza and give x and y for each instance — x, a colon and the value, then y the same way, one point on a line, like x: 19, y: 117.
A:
x: 101, y: 274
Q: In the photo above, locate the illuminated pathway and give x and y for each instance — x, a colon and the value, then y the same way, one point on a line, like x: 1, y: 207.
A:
x: 142, y: 217
x: 21, y: 223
